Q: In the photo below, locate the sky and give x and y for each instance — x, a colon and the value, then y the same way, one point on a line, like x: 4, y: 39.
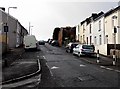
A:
x: 45, y: 15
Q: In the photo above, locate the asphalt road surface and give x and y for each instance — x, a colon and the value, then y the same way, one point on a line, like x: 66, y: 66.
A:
x: 61, y: 69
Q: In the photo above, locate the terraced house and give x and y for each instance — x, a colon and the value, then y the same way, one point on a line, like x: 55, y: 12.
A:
x: 98, y: 29
x: 15, y: 34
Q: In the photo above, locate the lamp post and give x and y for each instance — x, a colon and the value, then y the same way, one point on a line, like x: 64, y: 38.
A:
x: 6, y: 28
x: 30, y: 29
x: 115, y: 31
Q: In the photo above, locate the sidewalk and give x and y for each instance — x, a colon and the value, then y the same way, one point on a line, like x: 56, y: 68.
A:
x: 18, y: 69
x: 104, y: 61
x: 11, y: 56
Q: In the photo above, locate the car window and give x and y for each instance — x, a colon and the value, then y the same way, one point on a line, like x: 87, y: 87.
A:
x: 87, y: 47
x: 77, y: 46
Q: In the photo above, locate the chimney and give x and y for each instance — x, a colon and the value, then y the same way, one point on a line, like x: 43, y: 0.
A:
x: 2, y: 8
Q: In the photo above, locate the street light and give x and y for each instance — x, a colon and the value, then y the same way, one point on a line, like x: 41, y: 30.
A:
x: 6, y: 28
x: 30, y: 28
x: 114, y: 32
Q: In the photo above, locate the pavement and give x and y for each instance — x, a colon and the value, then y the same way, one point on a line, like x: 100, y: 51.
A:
x: 104, y: 62
x: 16, y: 69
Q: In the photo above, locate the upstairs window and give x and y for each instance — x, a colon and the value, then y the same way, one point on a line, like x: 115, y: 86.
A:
x: 99, y: 25
x: 90, y: 28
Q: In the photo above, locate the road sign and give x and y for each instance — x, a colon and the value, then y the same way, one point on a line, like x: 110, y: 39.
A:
x: 5, y: 28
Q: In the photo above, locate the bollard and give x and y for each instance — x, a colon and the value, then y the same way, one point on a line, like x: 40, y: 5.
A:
x: 98, y: 56
x: 114, y: 58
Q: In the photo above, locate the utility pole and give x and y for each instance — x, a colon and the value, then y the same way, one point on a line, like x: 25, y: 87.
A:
x: 30, y: 29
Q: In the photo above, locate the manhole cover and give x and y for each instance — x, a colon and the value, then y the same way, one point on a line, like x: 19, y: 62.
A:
x: 85, y: 78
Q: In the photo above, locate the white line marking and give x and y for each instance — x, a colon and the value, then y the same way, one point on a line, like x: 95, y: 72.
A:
x: 81, y: 65
x: 102, y: 66
x: 109, y: 69
x: 117, y: 71
x: 54, y: 67
x: 49, y: 70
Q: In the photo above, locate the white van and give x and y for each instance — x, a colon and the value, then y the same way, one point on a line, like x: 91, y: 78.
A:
x: 30, y: 42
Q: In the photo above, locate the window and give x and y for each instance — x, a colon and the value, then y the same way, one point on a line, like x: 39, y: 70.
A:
x: 78, y: 29
x: 83, y: 38
x: 83, y: 28
x: 112, y: 23
x: 100, y: 39
x: 100, y: 25
x: 87, y: 40
x: 90, y: 28
x: 90, y: 39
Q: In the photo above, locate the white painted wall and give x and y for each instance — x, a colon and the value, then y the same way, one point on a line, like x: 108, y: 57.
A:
x: 109, y: 28
x: 102, y: 49
x: 97, y: 31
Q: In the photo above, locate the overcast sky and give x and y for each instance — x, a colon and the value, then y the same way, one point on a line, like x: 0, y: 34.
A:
x: 45, y: 15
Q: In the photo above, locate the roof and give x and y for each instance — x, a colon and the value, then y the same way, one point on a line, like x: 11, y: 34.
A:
x: 112, y: 11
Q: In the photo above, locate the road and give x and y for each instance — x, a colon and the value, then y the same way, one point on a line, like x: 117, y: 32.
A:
x: 61, y: 69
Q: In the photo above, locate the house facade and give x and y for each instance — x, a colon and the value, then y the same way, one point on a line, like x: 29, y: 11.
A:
x: 15, y: 31
x: 99, y: 30
x: 82, y: 31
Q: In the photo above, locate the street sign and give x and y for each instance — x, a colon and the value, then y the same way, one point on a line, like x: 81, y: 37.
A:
x: 5, y: 28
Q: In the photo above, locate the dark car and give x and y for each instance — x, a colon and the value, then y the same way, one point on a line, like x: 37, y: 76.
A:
x: 41, y: 42
x: 70, y: 46
x: 54, y: 43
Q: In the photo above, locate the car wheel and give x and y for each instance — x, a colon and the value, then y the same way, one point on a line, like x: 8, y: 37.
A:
x: 67, y: 51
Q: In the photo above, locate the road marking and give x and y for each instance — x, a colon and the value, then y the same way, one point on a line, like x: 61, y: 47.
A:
x: 54, y: 67
x: 117, y: 71
x: 102, y: 66
x: 109, y: 69
x: 81, y: 65
x: 49, y: 70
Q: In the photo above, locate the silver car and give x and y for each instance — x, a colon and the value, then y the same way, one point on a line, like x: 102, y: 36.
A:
x: 84, y: 50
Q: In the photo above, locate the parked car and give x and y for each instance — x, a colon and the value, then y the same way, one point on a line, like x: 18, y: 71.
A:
x: 84, y: 50
x: 54, y: 43
x: 41, y: 42
x: 70, y: 46
x: 50, y: 41
x: 30, y: 42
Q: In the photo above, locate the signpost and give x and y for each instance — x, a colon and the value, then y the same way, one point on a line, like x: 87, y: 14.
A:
x: 6, y: 30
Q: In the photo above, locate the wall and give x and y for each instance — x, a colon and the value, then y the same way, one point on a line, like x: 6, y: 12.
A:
x: 109, y: 28
x: 0, y: 32
x: 97, y: 31
x: 102, y: 49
